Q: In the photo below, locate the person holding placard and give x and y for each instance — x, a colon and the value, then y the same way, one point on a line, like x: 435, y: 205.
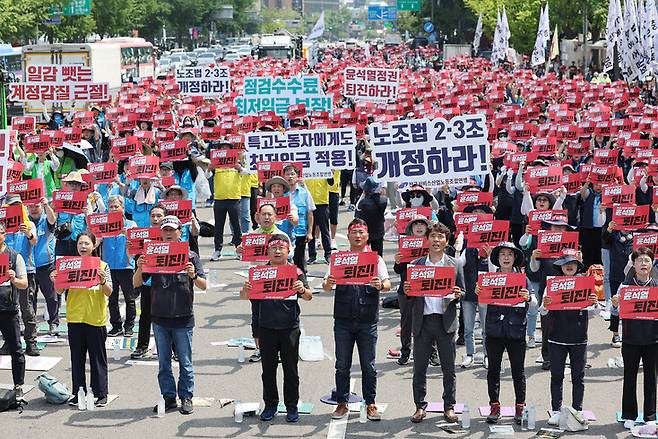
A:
x: 302, y: 199
x: 505, y: 329
x: 356, y: 312
x: 277, y: 326
x: 86, y: 315
x: 435, y: 321
x: 69, y: 225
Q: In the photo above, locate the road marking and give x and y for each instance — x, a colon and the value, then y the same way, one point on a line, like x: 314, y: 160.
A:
x: 338, y: 427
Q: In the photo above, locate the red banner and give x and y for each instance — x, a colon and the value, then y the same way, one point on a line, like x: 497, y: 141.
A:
x: 628, y: 218
x: 224, y: 158
x: 501, y: 289
x: 179, y: 208
x: 638, y: 303
x: 569, y: 292
x: 489, y: 233
x: 125, y: 147
x: 165, y: 257
x: 428, y: 281
x: 272, y: 282
x: 404, y: 216
x: 544, y: 178
x: 12, y: 217
x: 464, y: 220
x: 254, y: 247
x: 353, y: 268
x: 281, y: 204
x: 69, y: 201
x: 646, y: 240
x: 144, y: 166
x: 173, y: 151
x: 473, y: 199
x: 23, y: 124
x: 412, y: 247
x: 552, y: 244
x: 535, y: 218
x: 103, y: 172
x: 137, y: 236
x: 105, y: 225
x: 77, y: 272
x: 37, y: 143
x: 30, y: 191
x: 617, y: 194
x: 4, y: 267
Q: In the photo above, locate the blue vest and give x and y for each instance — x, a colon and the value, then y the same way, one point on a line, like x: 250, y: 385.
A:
x: 185, y: 181
x: 19, y: 243
x: 129, y: 202
x: 78, y: 224
x: 114, y: 250
x: 299, y: 198
x: 44, y: 251
x: 142, y: 212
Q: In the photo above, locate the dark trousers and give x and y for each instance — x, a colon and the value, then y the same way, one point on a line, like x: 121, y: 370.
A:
x: 285, y: 342
x: 377, y: 245
x: 26, y: 301
x: 144, y: 335
x: 545, y: 348
x: 221, y: 208
x: 590, y: 243
x: 632, y: 355
x: 53, y: 300
x: 123, y: 279
x: 321, y: 221
x: 577, y: 359
x: 432, y: 331
x: 406, y: 323
x: 516, y: 232
x: 10, y: 328
x: 345, y: 181
x: 346, y: 334
x: 253, y: 200
x: 299, y: 258
x: 83, y: 339
x: 516, y: 354
x: 333, y: 208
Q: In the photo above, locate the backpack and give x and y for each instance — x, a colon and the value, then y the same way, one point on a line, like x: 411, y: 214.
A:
x: 8, y: 401
x: 54, y: 391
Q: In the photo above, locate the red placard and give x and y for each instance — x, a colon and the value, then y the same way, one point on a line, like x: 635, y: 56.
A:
x: 69, y: 201
x: 617, y: 194
x: 638, y: 303
x: 14, y: 170
x: 137, y: 236
x: 103, y: 172
x: 353, y: 268
x: 173, y: 151
x: 12, y: 217
x: 168, y: 181
x: 105, y: 225
x: 211, y: 133
x: 464, y: 220
x: 629, y: 218
x: 281, y: 204
x: 37, y: 144
x: 405, y: 215
x: 296, y: 111
x: 125, y: 147
x: 512, y: 161
x: 165, y: 257
x: 72, y: 135
x: 144, y: 166
x: 267, y: 170
x: 501, y: 289
x: 412, y: 247
x: 545, y: 146
x: 489, y: 233
x: 569, y: 292
x: 271, y: 282
x: 649, y: 239
x: 544, y: 178
x: 254, y: 247
x: 473, y: 199
x: 573, y: 182
x: 23, y: 124
x: 552, y: 244
x: 603, y: 174
x: 165, y: 136
x: 163, y: 120
x: 77, y: 272
x: 4, y: 267
x: 605, y: 157
x: 535, y: 218
x: 179, y: 208
x: 224, y: 158
x: 428, y: 281
x: 30, y: 191
x: 56, y: 137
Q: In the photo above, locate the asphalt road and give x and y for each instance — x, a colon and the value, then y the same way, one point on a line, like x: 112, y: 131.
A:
x: 220, y: 316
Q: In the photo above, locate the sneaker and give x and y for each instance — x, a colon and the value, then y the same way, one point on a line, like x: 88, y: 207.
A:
x: 467, y: 361
x: 115, y: 332
x: 616, y: 341
x: 292, y: 415
x: 101, y: 402
x: 629, y: 423
x: 53, y: 329
x: 140, y: 354
x: 532, y: 343
x: 19, y: 393
x: 518, y: 413
x: 216, y: 255
x: 334, y: 246
x: 128, y: 332
x: 170, y: 404
x: 4, y: 350
x: 486, y: 363
x: 434, y: 359
x: 186, y: 406
x: 311, y: 261
x: 31, y: 350
x: 554, y: 420
x: 460, y: 340
x: 340, y: 412
x: 404, y: 359
x: 255, y: 357
x: 268, y: 414
x: 494, y: 413
x: 341, y: 203
x: 546, y: 365
x: 73, y: 402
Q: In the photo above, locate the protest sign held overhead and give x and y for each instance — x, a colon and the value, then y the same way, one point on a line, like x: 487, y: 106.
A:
x: 206, y: 81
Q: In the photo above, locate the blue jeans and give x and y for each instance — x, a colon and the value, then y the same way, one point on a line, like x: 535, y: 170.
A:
x: 346, y: 333
x: 532, y: 311
x: 182, y: 339
x: 468, y: 311
x: 245, y: 215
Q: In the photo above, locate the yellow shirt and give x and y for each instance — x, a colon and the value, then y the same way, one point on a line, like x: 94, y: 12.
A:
x: 88, y: 305
x: 245, y: 184
x: 253, y: 180
x: 335, y: 188
x: 227, y: 184
x: 319, y: 189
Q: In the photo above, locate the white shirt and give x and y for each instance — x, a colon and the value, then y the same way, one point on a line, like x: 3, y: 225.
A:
x: 434, y: 305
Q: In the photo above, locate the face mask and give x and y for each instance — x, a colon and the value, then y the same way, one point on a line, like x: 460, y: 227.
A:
x: 58, y: 119
x: 416, y: 201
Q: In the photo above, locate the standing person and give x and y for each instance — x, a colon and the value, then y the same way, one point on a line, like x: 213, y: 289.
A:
x: 370, y: 208
x: 356, y: 312
x: 145, y: 196
x: 44, y: 259
x: 9, y: 303
x: 245, y: 202
x: 42, y: 166
x: 303, y: 231
x: 505, y: 330
x: 172, y: 313
x: 591, y: 223
x: 319, y: 189
x: 69, y: 225
x: 228, y: 193
x: 334, y: 199
x: 86, y: 315
x: 639, y: 343
x: 115, y: 253
x: 279, y: 187
x: 567, y: 335
x: 277, y: 323
x: 435, y: 321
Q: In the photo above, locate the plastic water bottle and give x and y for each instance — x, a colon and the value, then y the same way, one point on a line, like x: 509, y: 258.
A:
x: 524, y: 419
x: 90, y: 400
x: 302, y: 331
x: 240, y: 353
x: 81, y: 399
x: 117, y: 351
x: 237, y: 412
x: 161, y: 407
x: 466, y: 417
x: 532, y: 415
x: 363, y: 414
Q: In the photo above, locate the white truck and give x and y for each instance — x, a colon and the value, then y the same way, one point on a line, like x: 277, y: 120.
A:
x: 104, y: 59
x: 453, y: 50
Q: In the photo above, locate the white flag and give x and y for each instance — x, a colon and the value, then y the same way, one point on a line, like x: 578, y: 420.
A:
x: 653, y: 31
x: 543, y: 35
x: 495, y: 49
x: 478, y: 35
x: 611, y: 35
x: 318, y: 29
x: 506, y: 31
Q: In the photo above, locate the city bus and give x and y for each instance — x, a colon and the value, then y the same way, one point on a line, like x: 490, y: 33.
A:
x: 137, y: 57
x: 10, y: 60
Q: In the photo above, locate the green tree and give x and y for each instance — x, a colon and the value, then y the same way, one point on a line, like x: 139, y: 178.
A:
x: 116, y: 17
x: 20, y: 20
x: 273, y: 19
x: 409, y: 22
x: 337, y: 22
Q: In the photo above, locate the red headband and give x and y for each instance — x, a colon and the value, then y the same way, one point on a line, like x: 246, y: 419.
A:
x: 278, y: 242
x: 361, y: 227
